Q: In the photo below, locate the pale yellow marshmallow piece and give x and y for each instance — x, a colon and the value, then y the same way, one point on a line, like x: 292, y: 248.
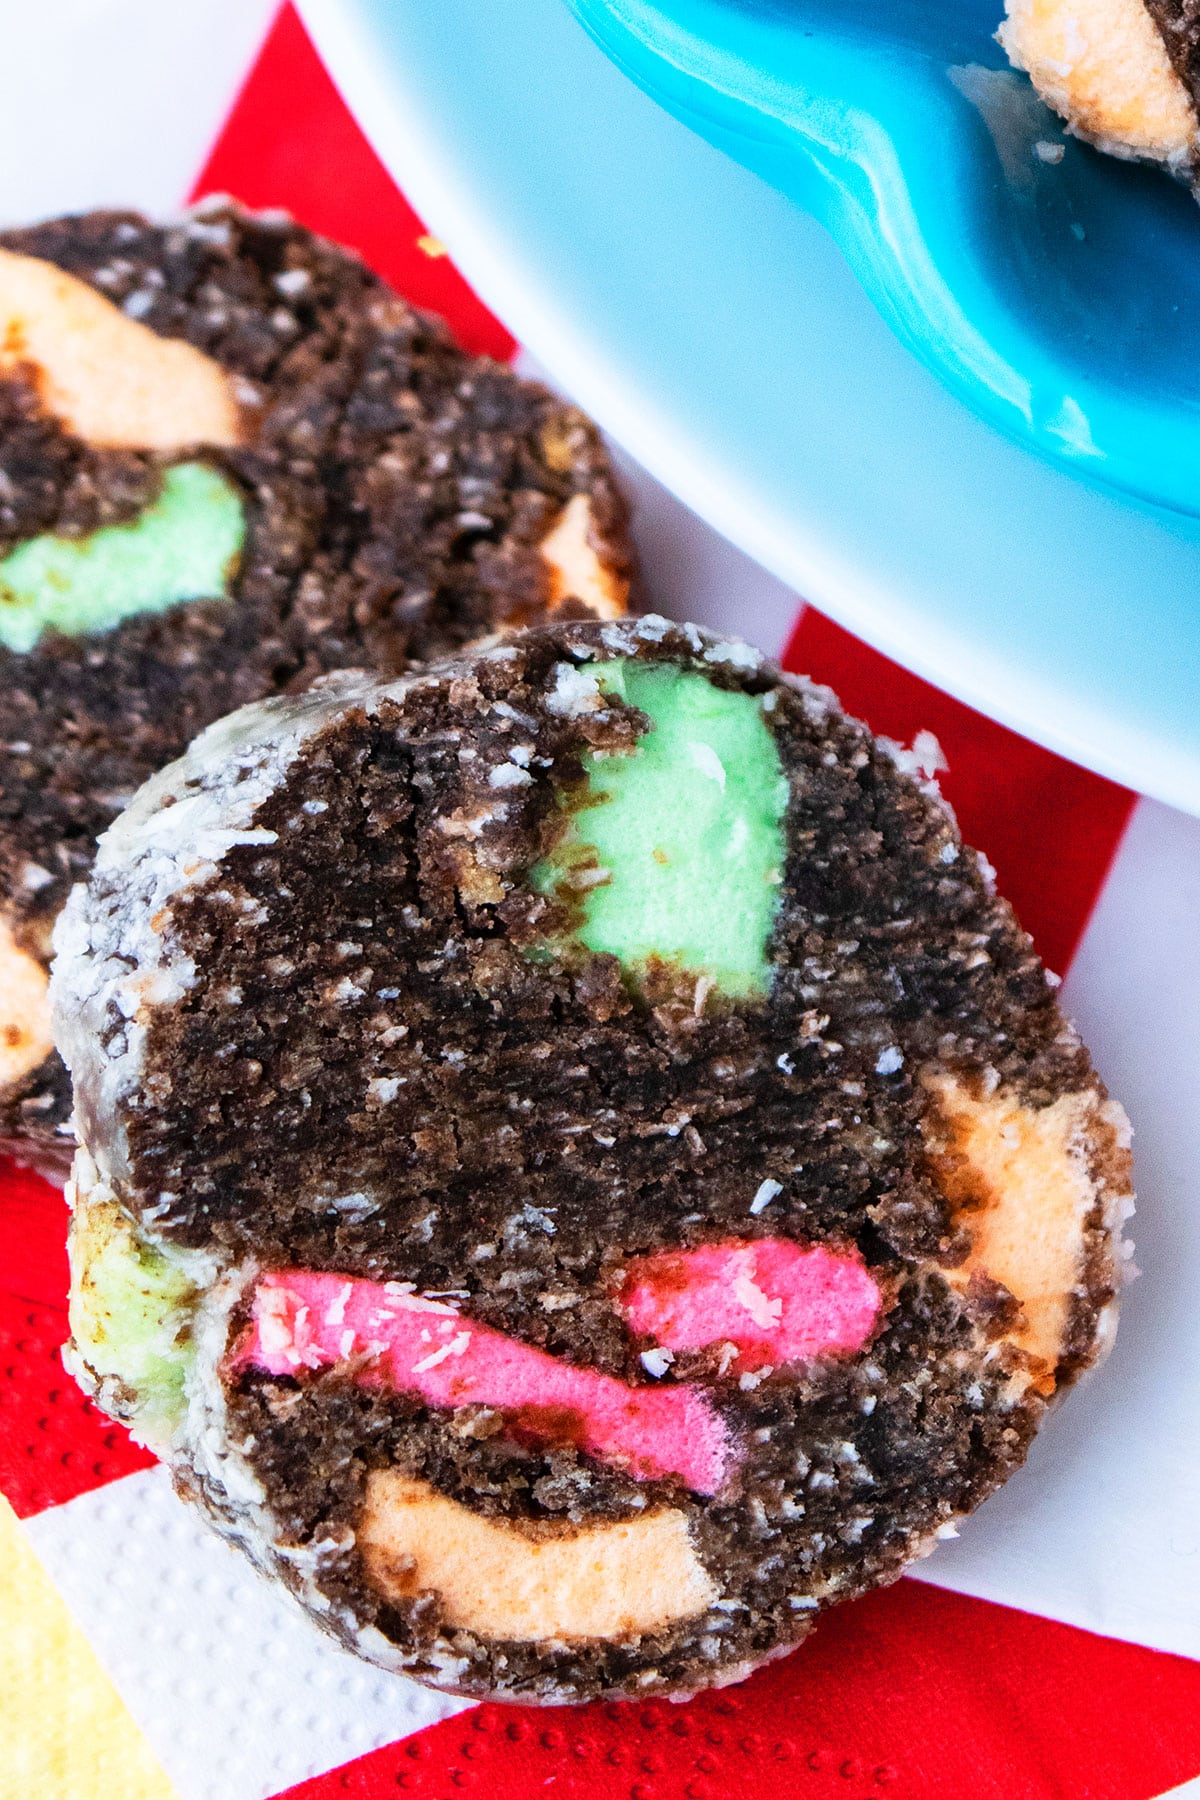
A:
x: 1022, y: 1180
x: 576, y: 571
x: 110, y: 380
x: 1104, y: 67
x: 25, y: 1038
x: 615, y: 1580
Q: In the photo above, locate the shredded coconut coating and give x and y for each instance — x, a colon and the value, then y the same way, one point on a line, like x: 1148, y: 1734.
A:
x: 327, y: 1036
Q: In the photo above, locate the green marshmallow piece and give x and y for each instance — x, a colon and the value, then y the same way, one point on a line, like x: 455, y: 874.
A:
x: 130, y: 1310
x: 677, y: 851
x: 183, y: 547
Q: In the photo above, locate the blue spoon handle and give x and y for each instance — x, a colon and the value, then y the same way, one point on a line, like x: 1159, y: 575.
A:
x: 815, y: 114
x: 703, y: 68
x: 926, y: 171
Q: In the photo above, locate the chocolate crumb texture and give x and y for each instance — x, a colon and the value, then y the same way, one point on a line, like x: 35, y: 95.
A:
x: 580, y: 1170
x: 231, y: 461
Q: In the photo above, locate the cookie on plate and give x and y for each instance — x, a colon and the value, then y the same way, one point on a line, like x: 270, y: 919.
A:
x: 1124, y: 74
x: 580, y: 1171
x: 231, y: 460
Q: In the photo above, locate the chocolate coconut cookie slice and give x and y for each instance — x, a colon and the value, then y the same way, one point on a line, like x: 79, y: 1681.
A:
x: 231, y: 460
x: 580, y: 1170
x: 1124, y: 74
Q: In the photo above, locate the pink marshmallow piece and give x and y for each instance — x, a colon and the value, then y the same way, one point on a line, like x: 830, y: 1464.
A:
x: 774, y: 1300
x: 305, y: 1320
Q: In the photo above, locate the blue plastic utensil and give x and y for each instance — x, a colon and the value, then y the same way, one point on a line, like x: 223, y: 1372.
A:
x: 1055, y: 290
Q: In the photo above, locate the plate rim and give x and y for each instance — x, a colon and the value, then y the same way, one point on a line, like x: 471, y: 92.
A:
x: 1025, y: 701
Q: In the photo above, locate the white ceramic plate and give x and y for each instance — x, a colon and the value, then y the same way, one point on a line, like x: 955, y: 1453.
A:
x: 714, y: 330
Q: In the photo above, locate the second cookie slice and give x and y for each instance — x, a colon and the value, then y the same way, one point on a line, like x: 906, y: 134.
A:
x: 231, y: 460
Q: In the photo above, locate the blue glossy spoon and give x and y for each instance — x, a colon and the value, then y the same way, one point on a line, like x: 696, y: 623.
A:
x: 1059, y: 298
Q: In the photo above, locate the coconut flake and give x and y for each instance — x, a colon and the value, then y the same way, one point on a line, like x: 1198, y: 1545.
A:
x: 765, y: 1311
x: 705, y: 758
x: 508, y: 775
x: 455, y: 1347
x: 767, y: 1191
x: 575, y: 691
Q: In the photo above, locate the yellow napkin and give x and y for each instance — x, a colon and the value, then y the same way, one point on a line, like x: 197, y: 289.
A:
x: 66, y: 1732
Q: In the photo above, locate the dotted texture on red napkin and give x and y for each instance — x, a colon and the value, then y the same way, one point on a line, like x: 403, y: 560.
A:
x: 910, y: 1694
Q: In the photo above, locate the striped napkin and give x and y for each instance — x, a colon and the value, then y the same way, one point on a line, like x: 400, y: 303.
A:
x: 1058, y: 1654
